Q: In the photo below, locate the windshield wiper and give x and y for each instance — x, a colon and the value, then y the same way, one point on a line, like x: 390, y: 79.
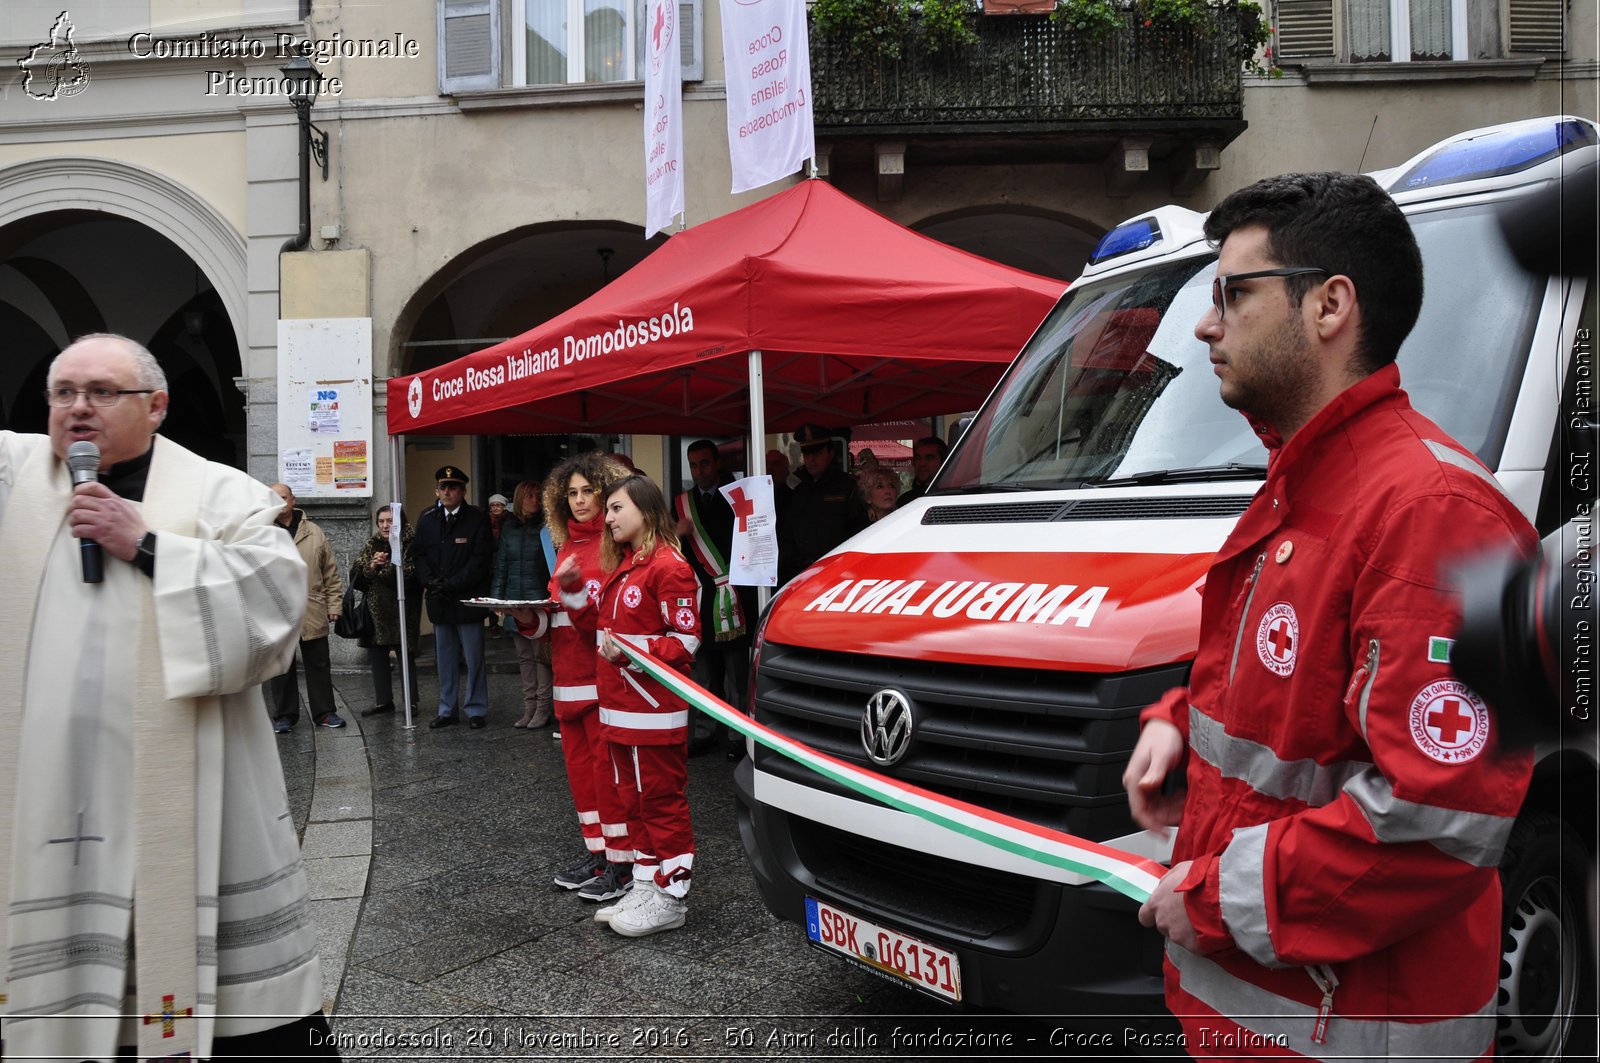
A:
x: 1233, y: 470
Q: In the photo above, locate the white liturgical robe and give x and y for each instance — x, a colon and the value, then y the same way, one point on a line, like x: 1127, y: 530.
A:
x: 134, y: 749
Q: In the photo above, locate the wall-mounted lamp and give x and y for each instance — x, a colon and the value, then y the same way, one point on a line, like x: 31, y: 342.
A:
x: 302, y: 81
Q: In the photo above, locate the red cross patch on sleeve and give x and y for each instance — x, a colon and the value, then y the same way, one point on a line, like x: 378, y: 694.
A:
x: 1448, y: 722
x: 684, y: 618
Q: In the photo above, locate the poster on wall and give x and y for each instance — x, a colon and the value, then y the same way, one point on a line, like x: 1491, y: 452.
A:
x: 325, y: 406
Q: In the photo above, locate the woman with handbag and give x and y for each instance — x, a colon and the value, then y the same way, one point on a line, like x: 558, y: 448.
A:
x: 373, y: 574
x: 521, y: 574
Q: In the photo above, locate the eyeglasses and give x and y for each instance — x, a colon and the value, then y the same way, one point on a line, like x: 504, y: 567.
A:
x: 1220, y: 286
x: 64, y: 397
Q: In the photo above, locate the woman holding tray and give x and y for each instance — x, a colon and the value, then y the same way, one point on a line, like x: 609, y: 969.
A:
x: 572, y: 515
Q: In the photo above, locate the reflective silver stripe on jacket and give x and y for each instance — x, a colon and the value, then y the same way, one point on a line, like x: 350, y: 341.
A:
x: 560, y: 620
x: 1477, y: 838
x: 642, y: 642
x: 1262, y: 769
x: 584, y: 693
x: 1241, y: 891
x: 1450, y: 456
x: 644, y: 721
x: 1266, y: 1013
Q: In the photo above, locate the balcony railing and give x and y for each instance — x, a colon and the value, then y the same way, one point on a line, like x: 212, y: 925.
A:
x: 1027, y: 73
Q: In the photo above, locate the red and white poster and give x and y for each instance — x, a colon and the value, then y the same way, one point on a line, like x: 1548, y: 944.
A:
x: 663, y: 117
x: 768, y: 60
x: 753, y: 559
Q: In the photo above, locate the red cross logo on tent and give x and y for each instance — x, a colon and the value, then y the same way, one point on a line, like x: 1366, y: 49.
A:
x: 1448, y: 722
x: 743, y: 507
x: 1278, y: 639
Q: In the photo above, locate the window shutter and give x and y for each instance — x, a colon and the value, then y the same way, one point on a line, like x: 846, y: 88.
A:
x: 692, y: 24
x: 469, y: 45
x: 1536, y: 26
x: 1305, y: 29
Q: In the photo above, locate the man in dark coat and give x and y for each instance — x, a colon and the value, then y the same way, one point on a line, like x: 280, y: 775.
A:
x: 824, y: 509
x: 927, y: 454
x: 454, y: 551
x: 727, y: 613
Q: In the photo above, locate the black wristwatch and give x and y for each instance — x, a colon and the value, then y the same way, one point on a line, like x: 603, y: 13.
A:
x: 145, y: 559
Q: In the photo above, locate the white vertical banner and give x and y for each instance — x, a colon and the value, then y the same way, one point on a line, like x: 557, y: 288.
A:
x: 767, y: 56
x: 663, y: 117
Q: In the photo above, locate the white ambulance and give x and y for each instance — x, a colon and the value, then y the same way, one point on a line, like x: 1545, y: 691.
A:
x: 996, y: 639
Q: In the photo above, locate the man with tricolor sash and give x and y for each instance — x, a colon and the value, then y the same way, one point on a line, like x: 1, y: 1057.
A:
x: 705, y: 524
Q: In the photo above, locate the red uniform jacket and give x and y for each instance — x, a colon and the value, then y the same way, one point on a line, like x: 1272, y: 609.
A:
x: 652, y: 603
x: 572, y: 653
x: 1347, y: 804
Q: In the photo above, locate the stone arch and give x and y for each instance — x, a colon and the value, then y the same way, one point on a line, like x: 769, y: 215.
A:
x: 1017, y: 235
x: 56, y: 184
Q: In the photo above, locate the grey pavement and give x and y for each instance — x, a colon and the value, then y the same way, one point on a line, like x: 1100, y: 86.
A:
x: 430, y: 856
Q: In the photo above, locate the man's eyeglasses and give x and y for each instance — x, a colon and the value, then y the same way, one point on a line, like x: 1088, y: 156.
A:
x: 97, y: 396
x: 1220, y: 286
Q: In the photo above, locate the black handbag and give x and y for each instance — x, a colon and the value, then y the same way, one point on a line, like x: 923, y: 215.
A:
x: 355, y: 619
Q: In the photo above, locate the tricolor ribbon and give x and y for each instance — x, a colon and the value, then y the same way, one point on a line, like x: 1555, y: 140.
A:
x: 1130, y: 875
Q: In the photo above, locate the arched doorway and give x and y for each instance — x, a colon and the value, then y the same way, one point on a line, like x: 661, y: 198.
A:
x: 137, y: 255
x: 497, y: 289
x: 1042, y: 242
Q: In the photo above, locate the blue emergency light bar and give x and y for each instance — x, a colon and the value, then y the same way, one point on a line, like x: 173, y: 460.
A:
x: 1500, y: 152
x: 1125, y: 239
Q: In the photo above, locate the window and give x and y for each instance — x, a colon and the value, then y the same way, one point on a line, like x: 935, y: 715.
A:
x: 1368, y: 31
x: 554, y: 42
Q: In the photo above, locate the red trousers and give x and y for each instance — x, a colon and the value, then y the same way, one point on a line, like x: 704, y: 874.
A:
x: 602, y: 809
x: 653, y: 779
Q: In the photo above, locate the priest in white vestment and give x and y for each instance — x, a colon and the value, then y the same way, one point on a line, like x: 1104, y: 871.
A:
x: 148, y: 860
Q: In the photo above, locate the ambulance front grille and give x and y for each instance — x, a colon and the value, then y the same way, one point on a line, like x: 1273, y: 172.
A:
x: 1044, y: 746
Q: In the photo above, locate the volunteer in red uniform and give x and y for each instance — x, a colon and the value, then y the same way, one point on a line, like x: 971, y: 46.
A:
x: 650, y: 600
x: 572, y: 513
x: 1334, y: 892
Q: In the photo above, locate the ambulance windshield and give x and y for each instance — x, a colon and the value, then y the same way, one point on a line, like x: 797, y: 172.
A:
x: 1114, y: 387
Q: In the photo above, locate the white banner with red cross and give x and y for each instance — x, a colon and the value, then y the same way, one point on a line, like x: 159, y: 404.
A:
x: 753, y: 557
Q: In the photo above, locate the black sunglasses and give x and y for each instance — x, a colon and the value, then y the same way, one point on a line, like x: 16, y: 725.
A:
x: 1221, y: 284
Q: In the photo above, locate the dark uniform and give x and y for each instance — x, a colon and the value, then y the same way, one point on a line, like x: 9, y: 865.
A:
x: 454, y: 556
x: 822, y: 512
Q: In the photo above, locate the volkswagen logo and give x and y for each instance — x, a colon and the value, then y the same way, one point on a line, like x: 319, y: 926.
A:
x: 886, y: 727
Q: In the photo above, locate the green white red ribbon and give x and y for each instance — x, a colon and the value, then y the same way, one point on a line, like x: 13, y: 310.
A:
x: 1133, y: 876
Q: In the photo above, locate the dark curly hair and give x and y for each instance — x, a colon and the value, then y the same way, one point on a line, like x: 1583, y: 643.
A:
x: 1346, y: 224
x: 601, y: 470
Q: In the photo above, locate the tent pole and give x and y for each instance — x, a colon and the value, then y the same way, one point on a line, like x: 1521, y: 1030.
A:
x: 758, y: 443
x: 397, y: 479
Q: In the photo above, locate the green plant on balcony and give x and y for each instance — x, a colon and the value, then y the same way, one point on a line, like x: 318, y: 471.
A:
x: 879, y: 29
x: 1099, y: 19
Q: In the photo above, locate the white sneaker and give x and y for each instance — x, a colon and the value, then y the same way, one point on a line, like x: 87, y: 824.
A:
x: 659, y: 912
x: 632, y: 899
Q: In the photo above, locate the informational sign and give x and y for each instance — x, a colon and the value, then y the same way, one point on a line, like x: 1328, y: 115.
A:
x: 753, y: 559
x: 325, y: 406
x: 294, y: 468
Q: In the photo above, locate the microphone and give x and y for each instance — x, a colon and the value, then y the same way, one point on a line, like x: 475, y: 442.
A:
x: 83, y: 458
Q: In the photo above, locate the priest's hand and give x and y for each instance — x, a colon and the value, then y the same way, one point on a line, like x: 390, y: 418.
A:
x: 1166, y: 912
x: 110, y: 520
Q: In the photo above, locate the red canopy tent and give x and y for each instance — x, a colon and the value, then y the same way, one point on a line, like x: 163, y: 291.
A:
x: 818, y: 306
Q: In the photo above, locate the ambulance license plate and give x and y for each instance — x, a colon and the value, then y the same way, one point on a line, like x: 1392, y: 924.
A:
x: 901, y: 956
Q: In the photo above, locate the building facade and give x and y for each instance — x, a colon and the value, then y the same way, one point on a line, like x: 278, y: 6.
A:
x: 484, y: 163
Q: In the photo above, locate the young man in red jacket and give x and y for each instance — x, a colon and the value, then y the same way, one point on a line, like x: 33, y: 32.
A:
x: 1334, y: 889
